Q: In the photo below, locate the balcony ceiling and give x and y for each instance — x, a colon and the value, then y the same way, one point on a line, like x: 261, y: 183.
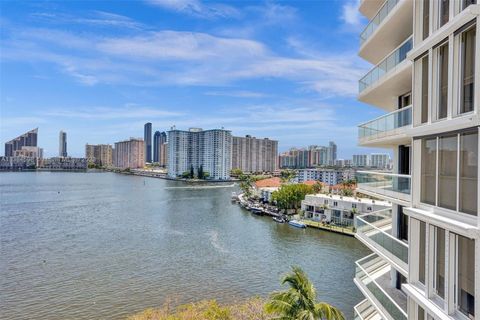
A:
x: 393, y: 30
x: 384, y: 92
x: 400, y: 138
x: 370, y: 7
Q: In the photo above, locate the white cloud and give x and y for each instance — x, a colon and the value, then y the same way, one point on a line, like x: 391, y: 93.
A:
x: 237, y: 94
x: 197, y: 9
x: 351, y: 16
x: 180, y: 58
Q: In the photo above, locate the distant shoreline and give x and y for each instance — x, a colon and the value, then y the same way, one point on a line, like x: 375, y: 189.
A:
x: 133, y: 173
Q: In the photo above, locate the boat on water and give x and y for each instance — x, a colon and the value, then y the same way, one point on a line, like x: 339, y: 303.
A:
x: 296, y: 223
x: 256, y: 210
x: 278, y: 219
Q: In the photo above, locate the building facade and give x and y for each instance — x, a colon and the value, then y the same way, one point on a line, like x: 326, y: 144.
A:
x: 361, y: 160
x: 426, y: 250
x: 129, y: 154
x: 100, y: 154
x: 160, y: 148
x: 28, y: 139
x: 254, y: 155
x: 339, y: 209
x: 380, y: 160
x: 313, y: 156
x: 328, y: 176
x: 64, y: 163
x: 147, y: 138
x: 62, y: 144
x: 210, y: 150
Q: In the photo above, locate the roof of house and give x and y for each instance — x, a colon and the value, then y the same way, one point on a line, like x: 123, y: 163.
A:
x: 270, y: 182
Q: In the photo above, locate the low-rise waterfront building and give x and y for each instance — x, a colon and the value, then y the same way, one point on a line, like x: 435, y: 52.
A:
x: 64, y: 163
x: 208, y: 150
x: 100, y: 154
x: 250, y: 154
x: 339, y: 209
x: 129, y: 154
x: 18, y: 163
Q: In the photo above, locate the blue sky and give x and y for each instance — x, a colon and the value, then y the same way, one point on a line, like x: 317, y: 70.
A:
x: 100, y: 69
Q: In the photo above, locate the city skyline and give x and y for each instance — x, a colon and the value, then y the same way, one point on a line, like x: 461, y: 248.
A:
x: 285, y: 84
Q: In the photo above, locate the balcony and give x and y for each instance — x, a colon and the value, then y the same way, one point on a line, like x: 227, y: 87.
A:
x: 374, y: 230
x: 387, y: 129
x: 390, y: 26
x: 369, y: 8
x: 390, y: 78
x: 373, y: 278
x: 385, y: 9
x: 366, y: 311
x: 390, y: 186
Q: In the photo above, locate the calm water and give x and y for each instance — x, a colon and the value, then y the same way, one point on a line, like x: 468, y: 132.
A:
x: 103, y: 246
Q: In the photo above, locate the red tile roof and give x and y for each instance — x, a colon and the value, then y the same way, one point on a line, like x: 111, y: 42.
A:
x: 270, y: 182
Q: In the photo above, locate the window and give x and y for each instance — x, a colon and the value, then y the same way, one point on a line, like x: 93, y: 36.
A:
x: 447, y: 174
x: 442, y: 81
x: 402, y: 224
x: 457, y: 170
x: 426, y: 19
x: 468, y: 172
x: 421, y: 313
x: 444, y: 11
x: 439, y: 265
x: 467, y: 70
x: 466, y: 3
x: 429, y: 158
x: 335, y: 203
x: 421, y: 252
x: 354, y: 206
x: 425, y: 88
x: 465, y: 286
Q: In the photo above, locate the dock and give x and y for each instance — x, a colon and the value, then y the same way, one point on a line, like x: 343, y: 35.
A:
x: 331, y: 228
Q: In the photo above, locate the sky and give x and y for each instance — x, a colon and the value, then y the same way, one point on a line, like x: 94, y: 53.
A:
x: 286, y: 70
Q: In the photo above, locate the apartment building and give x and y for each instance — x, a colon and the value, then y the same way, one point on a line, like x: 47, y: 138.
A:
x: 62, y: 144
x: 129, y: 154
x: 426, y: 250
x: 361, y: 160
x: 160, y: 148
x: 147, y: 138
x: 99, y: 154
x: 311, y: 157
x: 254, y: 155
x: 195, y: 148
x: 28, y: 139
x: 328, y: 176
x: 380, y: 160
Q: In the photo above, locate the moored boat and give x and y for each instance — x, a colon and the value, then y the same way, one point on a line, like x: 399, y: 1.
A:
x: 296, y: 223
x: 256, y: 210
x: 278, y: 219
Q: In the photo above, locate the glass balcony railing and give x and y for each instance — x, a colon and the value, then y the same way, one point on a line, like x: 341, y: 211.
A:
x: 386, y: 8
x: 364, y: 310
x: 374, y: 276
x: 385, y: 126
x: 375, y: 227
x: 388, y: 64
x: 385, y: 184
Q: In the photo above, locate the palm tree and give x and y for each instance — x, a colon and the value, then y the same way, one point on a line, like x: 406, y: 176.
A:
x: 299, y: 301
x: 287, y: 175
